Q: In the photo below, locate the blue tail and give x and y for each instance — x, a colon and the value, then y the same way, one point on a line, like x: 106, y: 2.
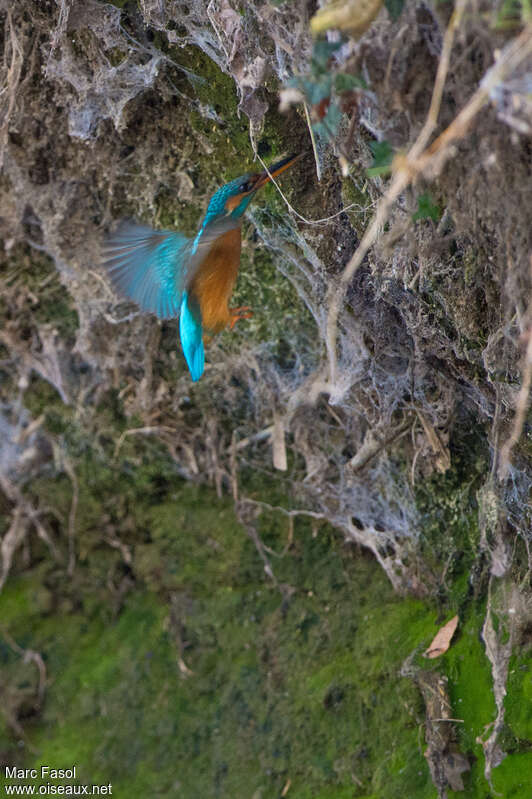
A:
x: 191, y: 333
x: 148, y: 266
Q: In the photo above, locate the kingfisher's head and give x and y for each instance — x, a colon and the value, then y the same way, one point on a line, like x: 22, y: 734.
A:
x: 233, y: 198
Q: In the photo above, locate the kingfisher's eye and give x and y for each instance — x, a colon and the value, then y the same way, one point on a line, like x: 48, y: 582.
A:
x: 244, y: 187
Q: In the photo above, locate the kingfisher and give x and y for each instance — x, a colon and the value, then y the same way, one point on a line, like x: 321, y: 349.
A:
x: 172, y: 276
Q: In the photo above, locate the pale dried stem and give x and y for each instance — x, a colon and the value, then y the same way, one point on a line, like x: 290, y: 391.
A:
x: 261, y: 549
x: 62, y: 23
x: 144, y: 431
x: 521, y: 407
x: 313, y: 140
x: 498, y: 641
x: 290, y: 513
x: 11, y: 541
x: 24, y: 515
x: 441, y: 75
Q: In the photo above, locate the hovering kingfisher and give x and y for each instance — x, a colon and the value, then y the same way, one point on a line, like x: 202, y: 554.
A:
x: 171, y: 275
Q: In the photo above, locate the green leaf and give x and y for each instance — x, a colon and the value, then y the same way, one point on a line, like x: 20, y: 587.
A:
x: 328, y: 127
x: 394, y: 8
x: 344, y: 82
x: 382, y: 158
x: 317, y: 90
x: 322, y: 51
x: 426, y: 209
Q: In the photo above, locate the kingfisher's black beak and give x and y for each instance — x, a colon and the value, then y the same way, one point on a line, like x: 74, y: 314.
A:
x: 275, y: 169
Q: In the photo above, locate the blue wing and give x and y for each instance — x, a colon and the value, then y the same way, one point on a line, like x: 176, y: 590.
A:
x: 191, y: 333
x: 148, y: 266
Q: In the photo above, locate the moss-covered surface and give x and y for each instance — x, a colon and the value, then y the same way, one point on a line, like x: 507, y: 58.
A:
x: 33, y: 279
x: 174, y: 665
x: 299, y: 687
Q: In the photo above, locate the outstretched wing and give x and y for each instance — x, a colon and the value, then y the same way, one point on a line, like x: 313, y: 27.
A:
x: 148, y: 266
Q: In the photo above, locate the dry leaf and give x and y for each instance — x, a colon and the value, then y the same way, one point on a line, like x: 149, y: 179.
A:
x: 354, y: 16
x: 442, y: 639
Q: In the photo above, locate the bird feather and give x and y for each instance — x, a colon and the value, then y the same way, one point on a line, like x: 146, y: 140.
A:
x: 148, y: 266
x: 191, y: 334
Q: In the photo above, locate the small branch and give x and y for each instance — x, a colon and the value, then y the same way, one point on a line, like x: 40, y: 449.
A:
x: 441, y: 75
x: 141, y: 431
x: 28, y: 655
x: 261, y: 549
x: 60, y: 30
x: 521, y: 407
x: 244, y: 442
x: 11, y: 540
x: 115, y: 542
x: 313, y: 140
x: 374, y: 445
x: 291, y: 513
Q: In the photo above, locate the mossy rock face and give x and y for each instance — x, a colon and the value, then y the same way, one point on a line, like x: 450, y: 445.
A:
x: 232, y: 643
x: 173, y: 665
x: 303, y: 689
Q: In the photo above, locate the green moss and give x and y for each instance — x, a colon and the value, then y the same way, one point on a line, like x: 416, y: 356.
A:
x: 41, y: 397
x: 512, y: 14
x: 116, y: 56
x: 121, y: 3
x: 303, y: 687
x: 470, y: 686
x: 519, y: 697
x: 274, y: 694
x: 279, y: 315
x: 513, y: 778
x: 230, y: 152
x: 230, y: 139
x: 354, y: 193
x: 294, y: 689
x: 448, y: 508
x: 47, y: 301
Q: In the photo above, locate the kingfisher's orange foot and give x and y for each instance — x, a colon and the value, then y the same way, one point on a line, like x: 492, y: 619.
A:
x: 244, y: 312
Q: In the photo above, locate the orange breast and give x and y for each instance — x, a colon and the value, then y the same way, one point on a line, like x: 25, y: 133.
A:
x: 214, y: 281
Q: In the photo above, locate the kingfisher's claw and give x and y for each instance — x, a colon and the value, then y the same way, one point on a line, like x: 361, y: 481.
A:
x: 244, y: 312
